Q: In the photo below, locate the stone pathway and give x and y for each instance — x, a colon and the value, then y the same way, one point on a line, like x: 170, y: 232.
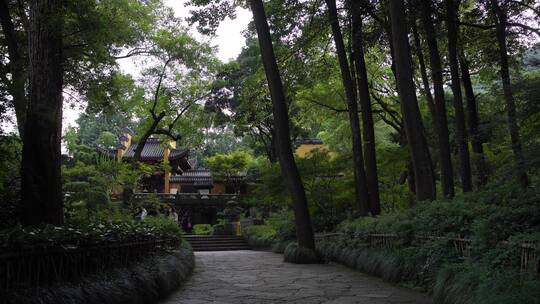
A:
x: 263, y: 277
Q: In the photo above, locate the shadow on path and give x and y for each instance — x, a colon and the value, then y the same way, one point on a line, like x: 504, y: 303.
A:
x: 263, y: 277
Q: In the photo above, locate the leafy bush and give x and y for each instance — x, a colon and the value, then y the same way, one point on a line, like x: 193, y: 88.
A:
x: 280, y: 246
x: 262, y: 231
x: 224, y: 227
x: 300, y: 255
x: 497, y: 219
x: 163, y: 226
x: 260, y: 236
x: 203, y: 229
x: 283, y: 223
x: 153, y: 205
x: 232, y: 212
x: 94, y: 233
x: 10, y: 157
x: 81, y: 216
x: 488, y: 215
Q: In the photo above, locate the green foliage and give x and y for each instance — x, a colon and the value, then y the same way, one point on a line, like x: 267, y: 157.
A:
x: 263, y: 231
x: 82, y: 216
x: 163, y: 225
x: 231, y: 213
x: 227, y: 165
x: 300, y: 255
x: 100, y: 230
x: 283, y: 223
x: 391, y: 165
x: 494, y: 214
x: 203, y: 229
x: 152, y: 204
x: 269, y: 193
x: 260, y: 236
x: 497, y: 219
x: 224, y: 227
x: 10, y: 156
x: 328, y: 189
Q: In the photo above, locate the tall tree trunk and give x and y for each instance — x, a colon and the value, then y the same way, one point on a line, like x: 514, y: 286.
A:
x: 361, y: 190
x: 367, y: 113
x: 272, y: 155
x: 440, y: 121
x: 472, y: 107
x: 41, y: 178
x: 423, y: 168
x: 304, y: 230
x: 480, y: 160
x: 17, y: 67
x: 461, y: 130
x: 423, y: 69
x: 500, y: 22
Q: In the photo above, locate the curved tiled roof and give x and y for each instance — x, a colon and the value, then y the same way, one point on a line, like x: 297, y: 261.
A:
x: 153, y: 151
x: 128, y: 130
x: 178, y: 153
x: 203, y: 177
x: 106, y: 152
x: 197, y: 177
x: 309, y: 141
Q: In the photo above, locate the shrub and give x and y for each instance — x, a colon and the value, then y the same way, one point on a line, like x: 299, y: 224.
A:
x: 231, y: 213
x: 202, y: 229
x: 95, y: 233
x: 491, y: 275
x: 280, y: 246
x: 260, y: 236
x: 283, y: 223
x: 164, y: 226
x: 300, y: 255
x: 262, y: 231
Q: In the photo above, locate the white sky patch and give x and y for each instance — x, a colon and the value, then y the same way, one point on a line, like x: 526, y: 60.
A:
x: 228, y: 39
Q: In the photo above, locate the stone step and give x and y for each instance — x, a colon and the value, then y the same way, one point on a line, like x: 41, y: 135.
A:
x: 217, y: 243
x: 213, y: 239
x: 193, y: 236
x: 221, y: 249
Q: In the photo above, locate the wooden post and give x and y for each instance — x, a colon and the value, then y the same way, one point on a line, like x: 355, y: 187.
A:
x: 167, y: 176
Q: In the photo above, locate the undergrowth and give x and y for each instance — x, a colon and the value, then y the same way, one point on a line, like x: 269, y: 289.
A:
x: 497, y: 220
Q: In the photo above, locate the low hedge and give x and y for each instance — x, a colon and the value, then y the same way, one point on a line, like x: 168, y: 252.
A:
x: 148, y: 281
x: 260, y: 236
x: 203, y: 229
x: 19, y: 238
x: 436, y: 270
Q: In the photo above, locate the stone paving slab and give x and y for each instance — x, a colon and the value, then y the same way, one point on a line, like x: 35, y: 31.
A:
x: 227, y: 277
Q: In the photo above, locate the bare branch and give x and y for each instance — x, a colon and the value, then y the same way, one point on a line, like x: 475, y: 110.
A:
x: 136, y: 52
x: 535, y: 10
x: 337, y: 110
x: 511, y: 24
x: 158, y: 88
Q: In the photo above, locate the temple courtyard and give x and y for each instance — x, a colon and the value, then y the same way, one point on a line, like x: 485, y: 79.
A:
x: 263, y: 277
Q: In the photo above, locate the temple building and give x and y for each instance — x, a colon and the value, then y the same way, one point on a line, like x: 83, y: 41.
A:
x: 182, y: 177
x: 303, y: 147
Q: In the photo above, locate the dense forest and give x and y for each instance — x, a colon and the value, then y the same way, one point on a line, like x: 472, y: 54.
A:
x: 428, y: 113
